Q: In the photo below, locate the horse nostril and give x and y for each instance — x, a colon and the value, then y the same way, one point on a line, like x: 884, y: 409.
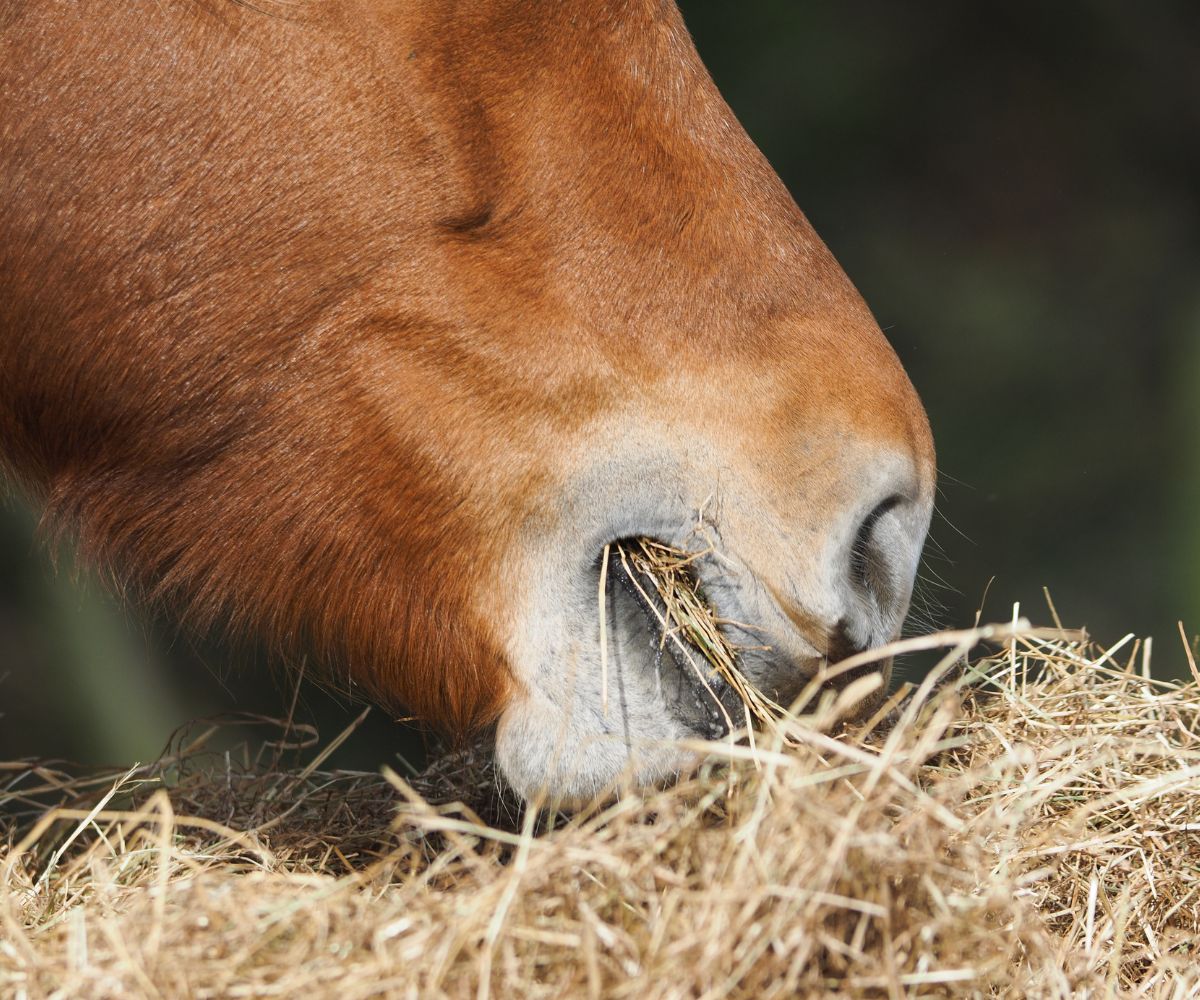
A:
x: 868, y: 567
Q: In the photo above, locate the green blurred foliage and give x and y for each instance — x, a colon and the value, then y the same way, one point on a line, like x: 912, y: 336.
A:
x: 1014, y: 189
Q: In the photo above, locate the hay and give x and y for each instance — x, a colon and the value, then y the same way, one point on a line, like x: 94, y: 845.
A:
x: 692, y: 626
x: 1028, y: 828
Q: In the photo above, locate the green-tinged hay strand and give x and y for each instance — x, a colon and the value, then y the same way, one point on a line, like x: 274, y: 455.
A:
x: 1028, y: 828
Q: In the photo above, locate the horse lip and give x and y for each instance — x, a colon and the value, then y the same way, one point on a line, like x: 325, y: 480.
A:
x: 704, y: 701
x: 796, y: 645
x: 711, y: 702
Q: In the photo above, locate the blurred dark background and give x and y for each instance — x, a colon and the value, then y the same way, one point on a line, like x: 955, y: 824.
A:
x: 1014, y: 189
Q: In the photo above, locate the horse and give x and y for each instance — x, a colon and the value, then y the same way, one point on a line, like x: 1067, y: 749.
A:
x: 366, y: 328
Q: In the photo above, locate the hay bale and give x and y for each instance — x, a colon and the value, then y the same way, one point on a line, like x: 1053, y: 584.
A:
x: 1028, y: 829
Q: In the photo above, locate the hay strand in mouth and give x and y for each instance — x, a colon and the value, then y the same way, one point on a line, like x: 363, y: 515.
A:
x: 691, y: 624
x: 601, y: 597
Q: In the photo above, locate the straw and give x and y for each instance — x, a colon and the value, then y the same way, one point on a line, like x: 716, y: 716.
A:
x: 1028, y: 827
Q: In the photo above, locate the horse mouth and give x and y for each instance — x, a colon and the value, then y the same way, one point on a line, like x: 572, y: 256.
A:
x: 651, y: 654
x: 645, y: 653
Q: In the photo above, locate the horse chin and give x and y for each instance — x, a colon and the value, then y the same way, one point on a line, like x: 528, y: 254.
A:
x: 568, y: 759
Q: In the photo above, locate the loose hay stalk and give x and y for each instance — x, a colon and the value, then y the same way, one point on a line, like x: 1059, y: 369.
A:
x: 1032, y: 829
